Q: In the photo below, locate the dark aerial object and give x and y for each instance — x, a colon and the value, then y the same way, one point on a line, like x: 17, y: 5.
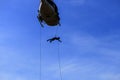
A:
x: 53, y: 39
x: 48, y: 13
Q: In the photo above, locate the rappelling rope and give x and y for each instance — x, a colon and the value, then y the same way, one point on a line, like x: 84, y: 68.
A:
x: 58, y: 53
x: 40, y: 54
x: 56, y: 32
x: 40, y: 47
x: 59, y: 62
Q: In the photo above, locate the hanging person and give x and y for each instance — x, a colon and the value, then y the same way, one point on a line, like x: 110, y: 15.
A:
x: 53, y: 39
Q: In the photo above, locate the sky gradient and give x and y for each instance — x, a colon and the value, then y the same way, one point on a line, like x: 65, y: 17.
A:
x: 90, y: 34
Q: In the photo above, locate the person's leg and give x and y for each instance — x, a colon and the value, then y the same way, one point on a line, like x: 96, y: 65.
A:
x: 59, y: 40
x: 50, y: 41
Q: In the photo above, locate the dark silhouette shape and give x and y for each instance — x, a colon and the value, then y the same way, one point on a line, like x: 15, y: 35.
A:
x: 53, y: 39
x: 54, y: 5
x: 41, y: 19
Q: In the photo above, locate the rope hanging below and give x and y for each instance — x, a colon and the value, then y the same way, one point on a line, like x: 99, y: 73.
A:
x: 59, y: 62
x: 40, y: 54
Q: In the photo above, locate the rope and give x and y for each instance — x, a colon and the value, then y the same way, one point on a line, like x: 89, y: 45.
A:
x: 40, y: 54
x: 40, y: 46
x: 56, y: 31
x: 59, y: 61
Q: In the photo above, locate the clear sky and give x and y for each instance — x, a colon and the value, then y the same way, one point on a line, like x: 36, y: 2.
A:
x: 90, y: 31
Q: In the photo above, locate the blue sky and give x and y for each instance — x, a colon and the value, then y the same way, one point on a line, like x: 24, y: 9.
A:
x: 89, y: 30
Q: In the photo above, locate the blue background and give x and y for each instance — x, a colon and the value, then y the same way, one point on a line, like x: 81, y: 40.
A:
x: 90, y: 34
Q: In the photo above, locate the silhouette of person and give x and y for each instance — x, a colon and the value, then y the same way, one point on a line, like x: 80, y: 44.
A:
x: 53, y: 39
